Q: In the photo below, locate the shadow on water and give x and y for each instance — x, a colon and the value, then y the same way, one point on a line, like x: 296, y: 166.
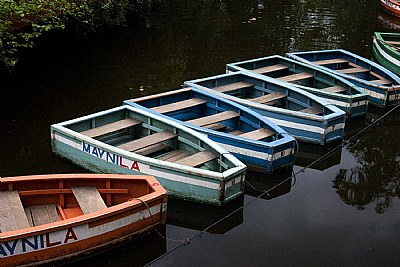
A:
x: 318, y: 157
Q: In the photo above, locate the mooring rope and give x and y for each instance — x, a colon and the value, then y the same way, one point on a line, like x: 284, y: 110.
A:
x: 186, y: 241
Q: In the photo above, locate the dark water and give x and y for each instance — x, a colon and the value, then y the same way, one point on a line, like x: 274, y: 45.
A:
x: 340, y: 211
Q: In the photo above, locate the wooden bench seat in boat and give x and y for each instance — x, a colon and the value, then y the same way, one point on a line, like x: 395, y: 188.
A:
x: 149, y: 142
x: 41, y: 214
x: 197, y: 159
x: 331, y: 61
x: 12, y: 213
x: 88, y: 198
x: 233, y: 86
x: 382, y: 81
x: 311, y: 110
x: 212, y: 121
x: 258, y: 134
x: 111, y: 127
x: 188, y: 103
x: 395, y: 43
x: 266, y: 99
x: 272, y: 68
x: 296, y: 77
x: 355, y: 69
x: 334, y: 89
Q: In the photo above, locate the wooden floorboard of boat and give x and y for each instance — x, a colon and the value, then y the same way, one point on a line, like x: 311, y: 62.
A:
x: 331, y: 61
x: 88, y: 198
x: 188, y: 103
x: 41, y: 214
x: 334, y: 89
x: 12, y: 213
x: 296, y: 77
x: 111, y: 127
x: 174, y: 155
x: 232, y: 87
x: 258, y: 134
x: 311, y: 110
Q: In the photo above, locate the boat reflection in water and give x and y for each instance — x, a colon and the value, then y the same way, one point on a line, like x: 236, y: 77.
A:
x: 256, y: 184
x: 375, y: 178
x: 196, y: 216
x: 389, y: 22
x: 318, y: 157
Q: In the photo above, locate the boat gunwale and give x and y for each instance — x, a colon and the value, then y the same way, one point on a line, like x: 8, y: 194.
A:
x: 159, y: 193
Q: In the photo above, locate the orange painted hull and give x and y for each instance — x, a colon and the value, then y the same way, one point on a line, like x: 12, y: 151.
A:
x: 82, y: 234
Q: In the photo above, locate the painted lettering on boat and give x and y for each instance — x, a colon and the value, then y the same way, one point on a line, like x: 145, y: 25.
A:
x: 38, y: 242
x: 109, y: 157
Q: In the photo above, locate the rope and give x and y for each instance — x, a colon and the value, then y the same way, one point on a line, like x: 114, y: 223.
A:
x: 266, y: 192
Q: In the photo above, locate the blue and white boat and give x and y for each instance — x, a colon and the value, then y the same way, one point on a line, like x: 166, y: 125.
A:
x: 382, y: 85
x: 301, y: 114
x: 334, y: 89
x: 130, y: 140
x: 254, y: 140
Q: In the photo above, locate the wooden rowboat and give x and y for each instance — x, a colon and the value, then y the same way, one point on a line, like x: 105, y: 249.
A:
x: 334, y: 89
x: 386, y: 49
x: 382, y: 85
x: 301, y: 114
x: 134, y: 141
x: 391, y: 6
x: 253, y: 139
x: 59, y: 217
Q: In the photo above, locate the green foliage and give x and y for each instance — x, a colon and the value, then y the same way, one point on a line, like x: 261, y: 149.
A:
x: 23, y: 21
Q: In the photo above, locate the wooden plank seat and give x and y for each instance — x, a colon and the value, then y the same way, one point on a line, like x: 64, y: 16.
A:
x: 331, y: 61
x: 353, y: 70
x: 88, y: 198
x: 111, y: 127
x: 233, y: 86
x: 174, y: 155
x: 12, y: 214
x: 147, y: 141
x: 334, y: 89
x: 236, y: 132
x: 383, y: 81
x: 395, y: 43
x: 296, y: 77
x: 197, y: 159
x: 41, y: 214
x: 188, y: 103
x: 311, y: 110
x: 212, y: 120
x: 265, y: 99
x: 258, y: 134
x: 271, y: 68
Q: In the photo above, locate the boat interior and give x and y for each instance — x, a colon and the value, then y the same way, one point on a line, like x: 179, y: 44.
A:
x: 29, y: 203
x: 209, y: 113
x: 284, y: 70
x: 264, y: 92
x: 152, y: 138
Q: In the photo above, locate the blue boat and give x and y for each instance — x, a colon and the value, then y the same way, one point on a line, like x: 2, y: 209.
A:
x: 129, y: 140
x: 301, y: 114
x: 254, y: 140
x: 382, y: 85
x: 334, y: 89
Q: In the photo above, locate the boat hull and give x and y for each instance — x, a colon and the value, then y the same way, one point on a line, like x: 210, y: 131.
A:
x: 378, y: 94
x: 388, y: 56
x: 305, y: 127
x: 268, y: 157
x: 77, y: 237
x: 181, y: 182
x: 391, y: 6
x: 350, y: 99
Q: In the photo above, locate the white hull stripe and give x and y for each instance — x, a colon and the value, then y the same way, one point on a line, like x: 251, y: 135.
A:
x: 386, y: 55
x: 144, y: 168
x: 71, y: 235
x: 309, y: 128
x: 345, y: 104
x: 256, y: 154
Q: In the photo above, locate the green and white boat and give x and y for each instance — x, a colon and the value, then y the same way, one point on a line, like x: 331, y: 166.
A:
x: 386, y: 49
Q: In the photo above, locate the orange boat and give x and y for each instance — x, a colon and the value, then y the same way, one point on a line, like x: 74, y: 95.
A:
x: 57, y: 217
